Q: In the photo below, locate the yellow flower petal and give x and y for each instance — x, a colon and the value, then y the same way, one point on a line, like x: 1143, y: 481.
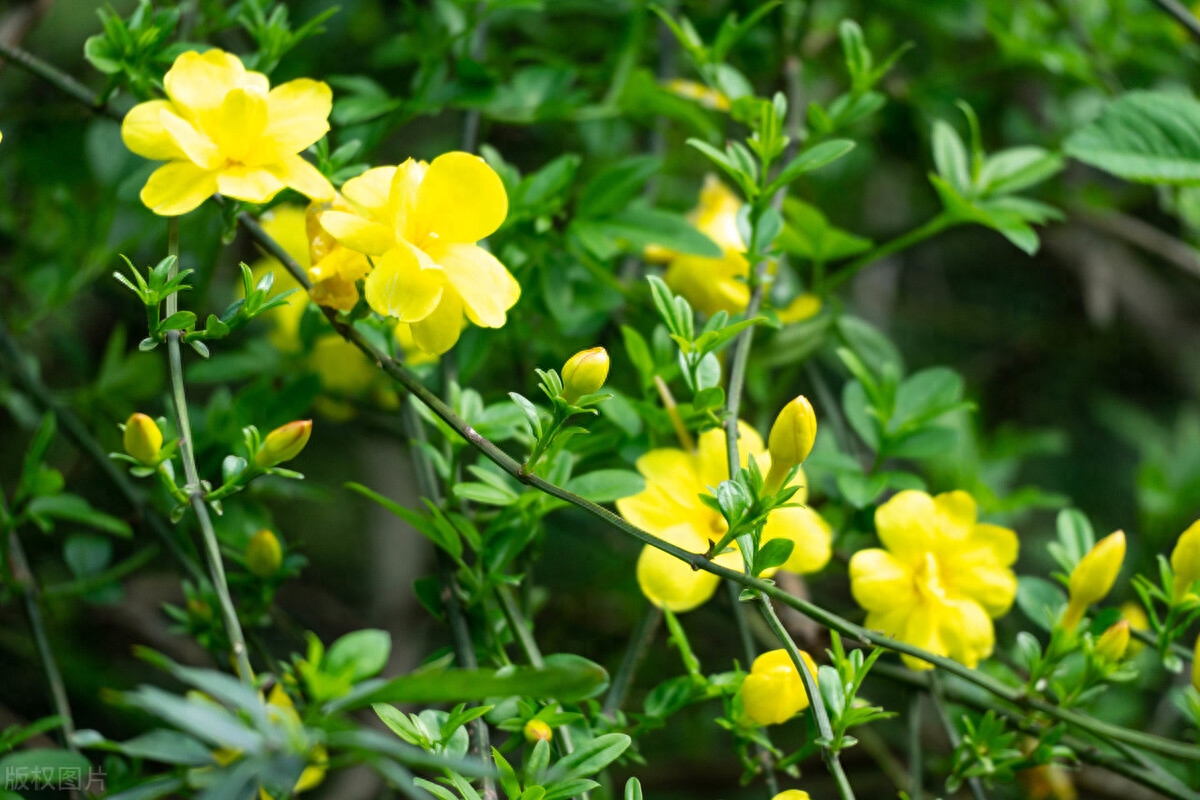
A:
x: 460, y: 199
x: 967, y: 632
x: 143, y: 132
x: 239, y: 122
x: 485, y: 286
x: 358, y: 233
x: 812, y: 536
x: 439, y: 331
x: 198, y: 82
x: 907, y: 525
x: 403, y: 197
x: 674, y: 471
x: 298, y: 174
x: 957, y: 512
x: 252, y: 184
x: 196, y: 146
x: 177, y: 188
x: 370, y: 190
x: 879, y: 582
x: 713, y: 458
x: 670, y: 583
x: 399, y: 287
x: 297, y: 116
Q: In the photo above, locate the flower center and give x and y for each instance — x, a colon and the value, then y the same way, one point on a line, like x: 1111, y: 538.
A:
x: 928, y: 579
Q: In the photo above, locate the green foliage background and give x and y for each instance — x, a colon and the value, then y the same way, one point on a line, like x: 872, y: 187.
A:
x: 1080, y: 359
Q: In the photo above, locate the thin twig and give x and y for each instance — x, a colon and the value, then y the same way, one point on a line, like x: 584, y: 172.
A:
x: 195, y: 489
x: 639, y: 642
x: 939, y: 703
x: 1182, y: 15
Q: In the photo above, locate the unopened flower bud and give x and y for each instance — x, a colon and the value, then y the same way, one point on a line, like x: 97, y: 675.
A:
x: 1093, y: 577
x: 264, y: 555
x: 284, y: 443
x: 143, y: 439
x: 584, y: 373
x: 1185, y: 561
x: 537, y: 730
x: 792, y: 794
x: 1113, y: 643
x: 774, y: 692
x: 791, y: 440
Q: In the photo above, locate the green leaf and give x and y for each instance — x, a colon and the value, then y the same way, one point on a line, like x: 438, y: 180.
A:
x: 485, y: 493
x: 87, y: 555
x: 926, y: 395
x: 950, y: 157
x: 1016, y: 169
x: 359, y: 654
x: 53, y: 767
x: 1040, y: 600
x: 168, y: 747
x: 809, y: 235
x: 591, y: 757
x: 1145, y: 137
x: 72, y: 508
x: 179, y: 321
x: 646, y: 226
x: 813, y: 158
x: 34, y: 457
x: 606, y: 485
x: 773, y: 554
x: 565, y: 680
x: 612, y: 188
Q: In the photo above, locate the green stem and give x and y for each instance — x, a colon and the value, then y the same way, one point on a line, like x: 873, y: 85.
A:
x: 902, y: 242
x: 820, y: 714
x: 194, y: 488
x: 939, y: 703
x: 639, y: 642
x: 14, y: 361
x: 59, y: 79
x: 24, y: 579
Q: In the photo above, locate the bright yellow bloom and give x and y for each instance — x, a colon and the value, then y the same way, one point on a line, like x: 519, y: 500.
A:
x: 791, y: 440
x: 705, y: 96
x: 670, y: 508
x: 143, y: 439
x: 713, y: 284
x: 1113, y: 643
x: 792, y: 794
x: 941, y: 579
x: 223, y: 129
x: 334, y: 270
x: 584, y: 373
x: 1093, y: 577
x: 1185, y: 561
x: 420, y: 222
x: 773, y: 692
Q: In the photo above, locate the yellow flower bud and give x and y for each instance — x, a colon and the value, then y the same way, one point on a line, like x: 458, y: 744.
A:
x: 143, y: 439
x: 792, y: 794
x: 264, y: 554
x: 537, y: 730
x: 1185, y: 561
x: 284, y: 443
x: 1113, y: 643
x: 584, y: 373
x: 773, y: 692
x: 1093, y: 577
x: 791, y: 440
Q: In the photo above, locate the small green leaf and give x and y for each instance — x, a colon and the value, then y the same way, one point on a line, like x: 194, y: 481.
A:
x: 358, y: 655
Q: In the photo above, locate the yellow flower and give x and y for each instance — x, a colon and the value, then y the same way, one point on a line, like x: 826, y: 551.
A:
x: 773, y: 692
x: 690, y: 90
x: 803, y: 306
x: 143, y: 439
x: 223, y: 129
x: 264, y: 555
x: 1093, y: 577
x: 670, y: 508
x: 537, y: 730
x: 713, y: 284
x: 584, y: 373
x: 1185, y: 561
x: 941, y: 578
x: 1138, y: 621
x: 791, y: 440
x: 792, y: 794
x: 421, y: 223
x: 284, y: 443
x: 280, y: 709
x: 1113, y: 643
